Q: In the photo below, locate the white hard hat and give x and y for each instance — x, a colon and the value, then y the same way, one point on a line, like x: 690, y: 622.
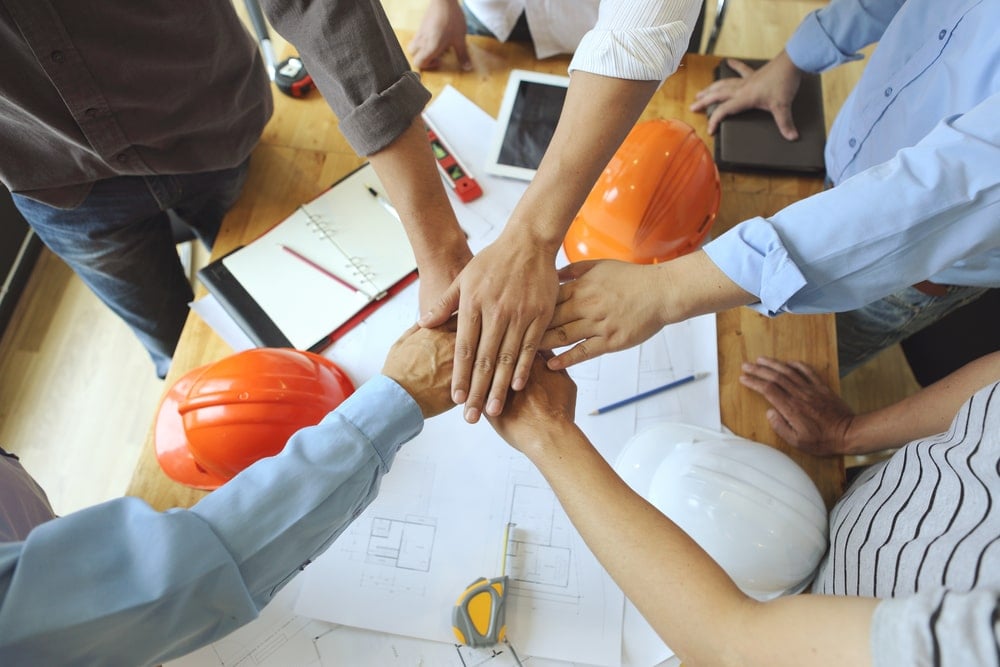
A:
x: 752, y: 508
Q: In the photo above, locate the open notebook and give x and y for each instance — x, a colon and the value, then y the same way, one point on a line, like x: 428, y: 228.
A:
x: 311, y: 277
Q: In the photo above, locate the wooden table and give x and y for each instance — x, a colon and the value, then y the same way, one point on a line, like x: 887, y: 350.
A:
x: 302, y: 152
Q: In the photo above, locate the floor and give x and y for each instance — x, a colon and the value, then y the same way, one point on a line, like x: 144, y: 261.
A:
x: 78, y: 393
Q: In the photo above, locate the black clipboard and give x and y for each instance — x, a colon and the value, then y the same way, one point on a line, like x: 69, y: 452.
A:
x: 750, y: 141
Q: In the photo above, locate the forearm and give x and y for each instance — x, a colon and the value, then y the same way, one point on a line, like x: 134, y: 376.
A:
x: 685, y: 596
x: 928, y: 412
x: 672, y: 582
x: 693, y: 285
x: 413, y: 184
x: 582, y: 145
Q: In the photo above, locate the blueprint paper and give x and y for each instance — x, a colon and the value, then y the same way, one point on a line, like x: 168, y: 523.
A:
x: 276, y: 638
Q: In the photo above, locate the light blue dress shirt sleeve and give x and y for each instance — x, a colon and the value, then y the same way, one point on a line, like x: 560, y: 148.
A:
x: 833, y: 34
x: 121, y: 584
x: 932, y: 211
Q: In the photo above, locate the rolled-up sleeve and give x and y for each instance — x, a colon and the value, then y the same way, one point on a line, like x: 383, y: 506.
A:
x: 835, y: 33
x: 356, y: 62
x: 928, y: 213
x: 636, y: 40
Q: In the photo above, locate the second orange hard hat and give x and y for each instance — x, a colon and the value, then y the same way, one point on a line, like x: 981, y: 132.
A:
x: 218, y: 419
x: 656, y: 199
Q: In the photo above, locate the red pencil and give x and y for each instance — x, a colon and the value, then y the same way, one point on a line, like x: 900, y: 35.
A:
x: 321, y: 269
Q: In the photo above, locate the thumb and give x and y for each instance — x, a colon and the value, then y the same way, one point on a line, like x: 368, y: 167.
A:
x: 443, y: 310
x: 464, y: 60
x: 783, y: 118
x: 575, y: 270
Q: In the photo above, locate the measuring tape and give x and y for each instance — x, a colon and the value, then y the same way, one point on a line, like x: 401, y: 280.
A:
x: 291, y: 77
x: 454, y: 172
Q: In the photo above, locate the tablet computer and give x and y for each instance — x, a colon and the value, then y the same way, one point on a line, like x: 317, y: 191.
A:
x: 750, y: 141
x: 527, y: 120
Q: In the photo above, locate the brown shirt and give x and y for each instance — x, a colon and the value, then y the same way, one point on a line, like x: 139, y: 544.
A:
x: 92, y: 90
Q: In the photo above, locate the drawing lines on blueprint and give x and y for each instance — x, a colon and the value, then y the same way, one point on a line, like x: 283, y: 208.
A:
x: 398, y: 552
x: 540, y: 548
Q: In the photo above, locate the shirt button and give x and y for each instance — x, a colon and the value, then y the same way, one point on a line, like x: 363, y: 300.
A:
x: 122, y: 158
x: 888, y: 91
x: 58, y: 56
x: 942, y: 34
x: 91, y: 112
x: 852, y: 143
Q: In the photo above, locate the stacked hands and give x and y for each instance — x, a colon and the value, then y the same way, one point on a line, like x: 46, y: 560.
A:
x: 510, y: 300
x: 804, y: 411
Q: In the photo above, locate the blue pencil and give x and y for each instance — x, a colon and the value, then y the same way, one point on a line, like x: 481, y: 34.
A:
x: 651, y: 392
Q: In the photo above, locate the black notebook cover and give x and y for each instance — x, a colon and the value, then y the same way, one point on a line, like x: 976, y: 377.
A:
x: 750, y: 141
x: 236, y: 301
x: 318, y: 273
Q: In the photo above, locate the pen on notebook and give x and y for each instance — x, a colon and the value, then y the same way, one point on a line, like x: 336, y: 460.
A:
x: 386, y: 204
x: 651, y: 392
x: 326, y: 272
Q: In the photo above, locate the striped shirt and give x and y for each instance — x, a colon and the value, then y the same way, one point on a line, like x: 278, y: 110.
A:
x: 921, y: 528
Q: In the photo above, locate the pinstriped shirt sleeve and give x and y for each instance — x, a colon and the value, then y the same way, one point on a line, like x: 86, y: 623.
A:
x: 938, y: 628
x: 637, y: 40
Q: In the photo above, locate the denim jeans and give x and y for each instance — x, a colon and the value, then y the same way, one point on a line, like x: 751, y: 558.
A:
x: 120, y: 243
x: 863, y: 333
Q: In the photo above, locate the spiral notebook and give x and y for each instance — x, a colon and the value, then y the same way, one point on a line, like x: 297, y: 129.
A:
x: 317, y: 273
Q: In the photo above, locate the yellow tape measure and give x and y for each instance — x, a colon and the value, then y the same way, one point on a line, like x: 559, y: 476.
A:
x: 478, y: 618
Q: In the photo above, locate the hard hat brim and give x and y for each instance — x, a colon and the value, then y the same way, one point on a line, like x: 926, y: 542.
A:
x: 170, y: 439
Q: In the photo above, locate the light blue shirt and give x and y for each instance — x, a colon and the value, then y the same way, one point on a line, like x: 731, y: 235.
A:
x: 121, y: 584
x: 914, y: 153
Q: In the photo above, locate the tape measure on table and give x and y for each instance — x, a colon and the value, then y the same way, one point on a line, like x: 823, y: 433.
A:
x: 479, y: 617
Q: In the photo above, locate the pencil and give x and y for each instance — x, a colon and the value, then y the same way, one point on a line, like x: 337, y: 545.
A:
x: 321, y: 269
x: 647, y: 394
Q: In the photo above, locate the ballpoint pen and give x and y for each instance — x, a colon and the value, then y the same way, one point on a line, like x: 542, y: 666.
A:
x: 647, y: 394
x: 385, y: 203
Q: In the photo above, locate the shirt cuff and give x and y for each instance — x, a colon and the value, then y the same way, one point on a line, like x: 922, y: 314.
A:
x: 382, y: 118
x: 753, y: 256
x: 640, y: 41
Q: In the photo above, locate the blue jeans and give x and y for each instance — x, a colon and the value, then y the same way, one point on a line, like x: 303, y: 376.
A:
x: 120, y: 243
x: 863, y: 333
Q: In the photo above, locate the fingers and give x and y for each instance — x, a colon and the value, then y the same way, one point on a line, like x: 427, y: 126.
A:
x: 783, y: 118
x: 740, y: 67
x: 782, y: 427
x: 467, y: 346
x: 582, y: 351
x: 462, y: 52
x: 724, y: 110
x: 445, y: 308
x: 575, y: 270
x: 526, y: 357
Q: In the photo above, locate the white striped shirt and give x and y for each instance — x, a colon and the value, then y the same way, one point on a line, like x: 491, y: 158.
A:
x: 922, y: 529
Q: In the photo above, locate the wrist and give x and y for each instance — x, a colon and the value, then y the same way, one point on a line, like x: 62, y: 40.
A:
x: 551, y: 443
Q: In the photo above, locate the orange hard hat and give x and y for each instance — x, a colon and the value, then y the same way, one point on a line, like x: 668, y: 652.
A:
x: 656, y: 199
x: 218, y: 419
